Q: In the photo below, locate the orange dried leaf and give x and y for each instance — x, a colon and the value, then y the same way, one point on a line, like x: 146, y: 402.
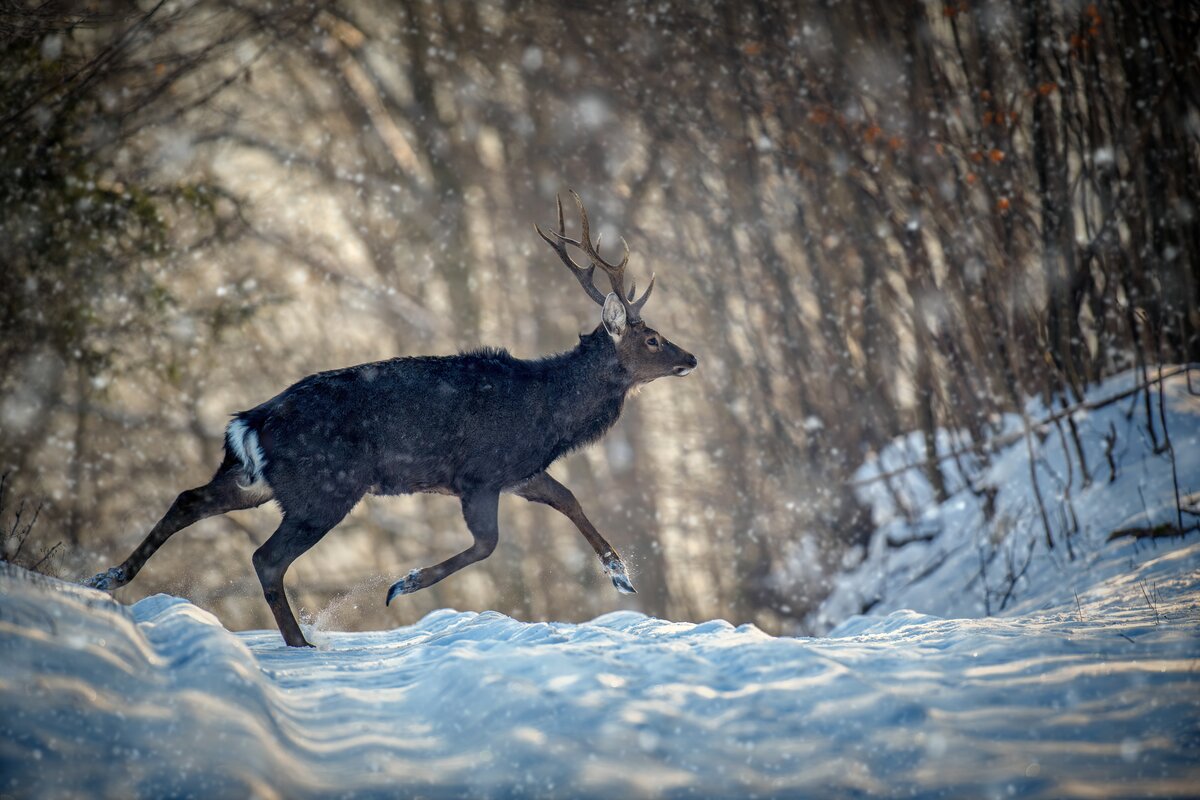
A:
x: 1003, y: 204
x: 971, y: 178
x: 996, y: 155
x: 872, y: 133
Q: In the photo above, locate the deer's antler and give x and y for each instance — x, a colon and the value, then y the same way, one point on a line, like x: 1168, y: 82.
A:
x: 585, y: 276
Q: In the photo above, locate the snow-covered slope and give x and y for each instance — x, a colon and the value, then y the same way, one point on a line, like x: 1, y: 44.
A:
x: 158, y: 700
x: 957, y: 559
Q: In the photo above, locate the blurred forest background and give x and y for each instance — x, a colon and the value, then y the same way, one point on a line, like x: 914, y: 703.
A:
x: 866, y: 218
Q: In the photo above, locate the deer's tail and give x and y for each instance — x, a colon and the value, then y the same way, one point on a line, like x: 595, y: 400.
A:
x: 241, y: 442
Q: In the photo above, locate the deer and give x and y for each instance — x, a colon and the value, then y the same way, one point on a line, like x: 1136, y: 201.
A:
x: 472, y: 425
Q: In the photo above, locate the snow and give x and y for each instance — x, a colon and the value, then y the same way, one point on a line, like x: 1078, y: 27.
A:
x: 931, y: 562
x: 158, y: 699
x: 1084, y: 684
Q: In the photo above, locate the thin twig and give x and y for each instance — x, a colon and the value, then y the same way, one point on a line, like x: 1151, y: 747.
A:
x: 1170, y: 450
x: 1150, y: 600
x: 1004, y: 441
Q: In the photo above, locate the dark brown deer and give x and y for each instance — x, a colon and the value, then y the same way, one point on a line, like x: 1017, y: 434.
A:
x: 472, y: 425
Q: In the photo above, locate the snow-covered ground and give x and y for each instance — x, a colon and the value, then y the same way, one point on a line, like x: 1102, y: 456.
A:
x: 156, y: 700
x: 1087, y: 684
x: 960, y: 559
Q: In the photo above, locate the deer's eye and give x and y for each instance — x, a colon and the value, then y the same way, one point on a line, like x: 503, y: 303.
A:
x: 652, y: 342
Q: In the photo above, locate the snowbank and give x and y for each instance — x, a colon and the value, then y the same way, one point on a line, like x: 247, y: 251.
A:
x: 962, y: 559
x: 157, y: 700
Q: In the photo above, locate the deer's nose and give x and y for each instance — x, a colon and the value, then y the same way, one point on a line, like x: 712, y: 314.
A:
x: 688, y: 365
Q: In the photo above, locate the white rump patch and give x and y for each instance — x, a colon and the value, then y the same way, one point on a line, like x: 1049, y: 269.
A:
x: 243, y: 441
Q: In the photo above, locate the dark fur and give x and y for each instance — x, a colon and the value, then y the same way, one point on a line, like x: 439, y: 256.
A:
x: 451, y: 424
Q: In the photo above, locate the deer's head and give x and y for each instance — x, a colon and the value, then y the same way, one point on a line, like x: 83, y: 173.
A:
x: 644, y: 352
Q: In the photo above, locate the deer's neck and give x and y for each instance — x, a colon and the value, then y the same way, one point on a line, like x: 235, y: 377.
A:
x: 591, y: 390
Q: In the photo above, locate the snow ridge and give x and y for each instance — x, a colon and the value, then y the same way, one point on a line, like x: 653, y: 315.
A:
x: 160, y: 700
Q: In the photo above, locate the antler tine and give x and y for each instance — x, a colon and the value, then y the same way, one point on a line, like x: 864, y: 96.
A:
x: 591, y: 250
x: 586, y: 276
x: 583, y: 274
x: 616, y: 272
x: 636, y: 305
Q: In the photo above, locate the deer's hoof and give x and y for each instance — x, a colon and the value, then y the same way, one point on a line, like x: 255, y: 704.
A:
x: 623, y: 585
x: 407, y: 585
x: 112, y: 578
x: 620, y: 578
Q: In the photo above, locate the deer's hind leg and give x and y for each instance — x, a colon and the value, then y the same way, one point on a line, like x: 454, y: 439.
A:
x: 223, y: 493
x: 542, y: 488
x: 294, y: 537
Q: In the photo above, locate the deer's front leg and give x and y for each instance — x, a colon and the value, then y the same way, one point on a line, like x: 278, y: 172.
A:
x: 541, y: 488
x: 480, y: 511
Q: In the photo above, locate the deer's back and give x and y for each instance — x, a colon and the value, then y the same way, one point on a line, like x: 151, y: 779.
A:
x: 409, y: 425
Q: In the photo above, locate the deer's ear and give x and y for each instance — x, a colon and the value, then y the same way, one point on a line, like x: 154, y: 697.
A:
x: 613, y: 315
